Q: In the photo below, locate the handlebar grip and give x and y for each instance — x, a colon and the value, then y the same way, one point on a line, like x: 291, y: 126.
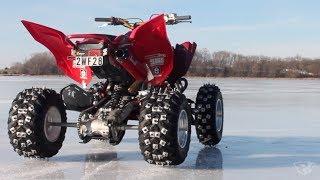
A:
x: 181, y: 18
x: 103, y: 19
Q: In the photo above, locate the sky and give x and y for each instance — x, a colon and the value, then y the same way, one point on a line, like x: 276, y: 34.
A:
x: 252, y: 27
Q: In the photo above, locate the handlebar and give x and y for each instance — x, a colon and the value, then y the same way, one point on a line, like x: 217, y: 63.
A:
x: 114, y: 21
x: 170, y: 19
x: 183, y: 18
x: 103, y: 19
x: 173, y: 18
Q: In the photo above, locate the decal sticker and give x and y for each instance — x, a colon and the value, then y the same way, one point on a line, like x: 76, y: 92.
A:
x: 79, y: 53
x: 94, y: 52
x: 156, y: 70
x: 83, y: 73
x: 156, y: 59
x: 71, y: 93
x: 73, y: 52
x: 149, y: 75
x: 105, y: 52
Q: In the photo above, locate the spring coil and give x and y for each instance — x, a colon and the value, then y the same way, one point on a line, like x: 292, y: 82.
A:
x: 115, y: 97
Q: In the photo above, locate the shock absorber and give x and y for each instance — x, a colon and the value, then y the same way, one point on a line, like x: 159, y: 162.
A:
x: 115, y: 97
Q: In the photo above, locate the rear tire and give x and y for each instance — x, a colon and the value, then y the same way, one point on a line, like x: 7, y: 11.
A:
x: 165, y: 127
x: 28, y: 128
x: 209, y: 115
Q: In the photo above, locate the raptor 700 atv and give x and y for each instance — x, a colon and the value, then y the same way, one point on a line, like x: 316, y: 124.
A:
x: 143, y: 81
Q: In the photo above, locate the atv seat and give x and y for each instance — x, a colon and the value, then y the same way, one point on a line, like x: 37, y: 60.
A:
x: 183, y: 54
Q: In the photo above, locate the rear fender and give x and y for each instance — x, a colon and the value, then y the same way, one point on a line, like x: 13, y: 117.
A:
x: 60, y: 46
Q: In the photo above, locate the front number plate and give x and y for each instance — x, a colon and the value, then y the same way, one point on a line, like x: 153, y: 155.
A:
x: 83, y: 61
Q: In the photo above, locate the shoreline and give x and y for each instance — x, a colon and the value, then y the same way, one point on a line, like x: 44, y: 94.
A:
x: 235, y: 77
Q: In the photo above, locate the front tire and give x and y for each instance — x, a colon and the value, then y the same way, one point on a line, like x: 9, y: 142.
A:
x: 28, y: 124
x: 165, y: 127
x: 209, y: 115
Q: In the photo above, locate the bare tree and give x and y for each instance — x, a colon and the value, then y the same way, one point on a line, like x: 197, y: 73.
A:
x: 38, y: 64
x: 226, y: 64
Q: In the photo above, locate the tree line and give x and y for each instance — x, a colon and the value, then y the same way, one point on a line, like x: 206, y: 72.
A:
x: 205, y: 63
x: 38, y: 64
x: 226, y: 64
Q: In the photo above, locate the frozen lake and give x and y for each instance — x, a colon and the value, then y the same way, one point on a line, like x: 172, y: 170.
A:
x: 271, y: 131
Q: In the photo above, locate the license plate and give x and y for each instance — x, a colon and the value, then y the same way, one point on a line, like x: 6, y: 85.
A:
x: 82, y: 61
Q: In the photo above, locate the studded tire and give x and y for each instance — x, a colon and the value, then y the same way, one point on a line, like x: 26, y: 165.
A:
x: 209, y: 132
x: 158, y: 127
x: 26, y: 123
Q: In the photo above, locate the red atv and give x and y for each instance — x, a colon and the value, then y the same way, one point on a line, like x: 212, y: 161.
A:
x: 143, y: 81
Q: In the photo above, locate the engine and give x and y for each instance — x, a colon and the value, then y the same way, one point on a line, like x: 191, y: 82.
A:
x: 106, y: 119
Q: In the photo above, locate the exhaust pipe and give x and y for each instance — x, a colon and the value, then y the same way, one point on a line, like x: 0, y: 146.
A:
x: 121, y: 54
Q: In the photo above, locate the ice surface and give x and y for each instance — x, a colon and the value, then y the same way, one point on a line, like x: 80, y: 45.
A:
x: 271, y: 131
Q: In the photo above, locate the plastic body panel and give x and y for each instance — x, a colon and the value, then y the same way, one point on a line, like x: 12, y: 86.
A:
x: 150, y: 54
x: 151, y: 46
x: 61, y: 47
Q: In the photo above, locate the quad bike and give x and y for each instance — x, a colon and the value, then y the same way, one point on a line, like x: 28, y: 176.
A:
x: 143, y: 81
